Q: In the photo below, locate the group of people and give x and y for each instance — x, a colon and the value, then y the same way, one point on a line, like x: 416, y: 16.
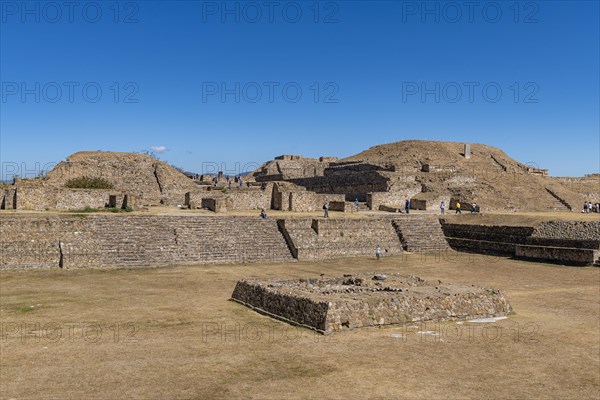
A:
x: 237, y: 179
x: 474, y: 208
x: 589, y: 207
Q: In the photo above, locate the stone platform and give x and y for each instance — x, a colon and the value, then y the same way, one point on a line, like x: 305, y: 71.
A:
x: 327, y: 305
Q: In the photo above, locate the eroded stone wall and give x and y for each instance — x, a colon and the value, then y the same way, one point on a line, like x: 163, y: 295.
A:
x: 137, y: 241
x: 391, y: 199
x: 588, y: 230
x: 334, y: 304
x: 56, y: 198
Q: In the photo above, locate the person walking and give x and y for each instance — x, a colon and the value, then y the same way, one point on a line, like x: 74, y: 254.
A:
x: 326, y: 209
x: 442, y: 207
x: 378, y: 252
x: 407, y: 206
x: 356, y: 204
x: 473, y: 208
x: 458, y: 208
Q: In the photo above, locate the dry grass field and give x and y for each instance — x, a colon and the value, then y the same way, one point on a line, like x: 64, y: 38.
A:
x: 172, y: 333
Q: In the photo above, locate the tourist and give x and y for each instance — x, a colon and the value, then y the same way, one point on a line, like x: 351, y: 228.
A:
x: 241, y: 183
x: 326, y: 209
x: 458, y: 208
x: 442, y: 207
x: 229, y: 183
x: 585, y: 206
x: 356, y: 204
x: 473, y: 208
x: 407, y: 206
x: 378, y: 252
x: 263, y: 214
x: 216, y: 180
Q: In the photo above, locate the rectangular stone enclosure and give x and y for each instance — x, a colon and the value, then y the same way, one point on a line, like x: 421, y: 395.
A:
x: 328, y: 305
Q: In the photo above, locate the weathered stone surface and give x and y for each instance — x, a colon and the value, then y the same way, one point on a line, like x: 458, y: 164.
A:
x: 316, y: 239
x: 335, y: 304
x: 589, y: 230
x: 565, y: 255
x: 567, y: 242
x: 137, y: 241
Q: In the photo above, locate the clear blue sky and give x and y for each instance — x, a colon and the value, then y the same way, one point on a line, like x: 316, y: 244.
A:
x: 370, y: 61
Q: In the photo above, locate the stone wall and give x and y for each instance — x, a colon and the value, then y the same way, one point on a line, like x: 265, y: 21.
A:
x: 56, y: 198
x: 563, y: 255
x: 302, y: 200
x: 564, y: 242
x: 486, y: 239
x: 359, y: 301
x: 391, y: 199
x: 137, y: 241
x: 216, y: 204
x: 252, y: 198
x: 589, y: 230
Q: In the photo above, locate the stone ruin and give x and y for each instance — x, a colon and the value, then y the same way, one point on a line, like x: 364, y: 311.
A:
x: 381, y: 178
x: 329, y: 305
x: 427, y: 173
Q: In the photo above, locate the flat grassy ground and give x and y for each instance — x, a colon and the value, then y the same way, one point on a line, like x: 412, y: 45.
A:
x: 172, y: 333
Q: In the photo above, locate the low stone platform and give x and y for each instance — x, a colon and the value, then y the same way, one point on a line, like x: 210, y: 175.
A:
x: 560, y: 255
x: 327, y: 305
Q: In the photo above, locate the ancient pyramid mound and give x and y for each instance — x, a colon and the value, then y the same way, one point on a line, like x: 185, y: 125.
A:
x: 154, y: 180
x: 431, y: 171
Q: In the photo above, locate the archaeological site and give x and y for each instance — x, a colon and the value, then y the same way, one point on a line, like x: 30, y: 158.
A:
x: 418, y: 242
x: 387, y: 196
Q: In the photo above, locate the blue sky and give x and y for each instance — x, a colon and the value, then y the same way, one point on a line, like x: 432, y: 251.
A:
x: 237, y: 83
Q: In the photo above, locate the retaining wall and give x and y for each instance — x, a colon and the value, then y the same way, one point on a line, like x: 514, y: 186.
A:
x: 137, y: 241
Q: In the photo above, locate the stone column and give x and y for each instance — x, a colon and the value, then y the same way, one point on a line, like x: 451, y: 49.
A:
x: 467, y: 150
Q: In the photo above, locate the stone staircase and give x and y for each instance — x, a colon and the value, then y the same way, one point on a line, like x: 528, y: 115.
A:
x: 556, y: 203
x: 317, y: 239
x: 420, y: 233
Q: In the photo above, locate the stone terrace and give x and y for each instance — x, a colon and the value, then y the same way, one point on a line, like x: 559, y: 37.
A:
x: 129, y: 241
x: 349, y: 302
x: 314, y: 239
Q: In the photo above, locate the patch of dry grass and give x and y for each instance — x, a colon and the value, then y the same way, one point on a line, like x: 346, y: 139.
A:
x: 172, y: 333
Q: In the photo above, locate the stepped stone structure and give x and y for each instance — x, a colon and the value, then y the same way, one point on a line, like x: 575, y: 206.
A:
x: 137, y: 241
x: 329, y: 305
x: 107, y: 241
x: 564, y: 242
x: 428, y: 172
x: 315, y: 239
x: 144, y: 180
x: 384, y: 177
x: 420, y: 233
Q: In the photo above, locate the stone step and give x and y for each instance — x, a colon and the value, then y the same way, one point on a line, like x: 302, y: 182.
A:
x: 420, y: 234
